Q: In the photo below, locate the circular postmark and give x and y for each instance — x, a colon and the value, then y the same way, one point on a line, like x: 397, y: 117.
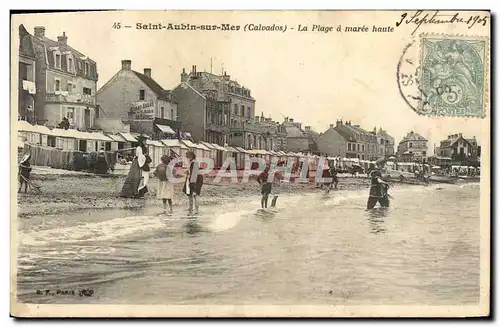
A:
x: 442, y: 76
x: 408, y: 78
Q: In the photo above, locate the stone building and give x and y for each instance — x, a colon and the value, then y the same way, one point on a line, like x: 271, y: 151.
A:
x: 298, y: 139
x: 459, y: 149
x: 385, y: 143
x: 412, y: 148
x: 26, y: 78
x: 214, y: 107
x: 348, y: 140
x: 137, y: 99
x: 66, y: 82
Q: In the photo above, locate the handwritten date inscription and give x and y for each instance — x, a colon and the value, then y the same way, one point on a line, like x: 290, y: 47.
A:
x: 85, y: 292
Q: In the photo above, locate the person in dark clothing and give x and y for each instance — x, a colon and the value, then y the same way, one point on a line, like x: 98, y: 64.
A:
x: 265, y: 185
x: 24, y: 173
x: 193, y: 183
x: 378, y: 191
x: 101, y: 166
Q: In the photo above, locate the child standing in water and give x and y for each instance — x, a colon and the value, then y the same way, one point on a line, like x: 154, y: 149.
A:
x: 165, y: 187
x: 265, y: 185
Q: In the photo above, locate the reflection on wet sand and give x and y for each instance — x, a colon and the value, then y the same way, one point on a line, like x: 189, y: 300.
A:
x: 376, y: 220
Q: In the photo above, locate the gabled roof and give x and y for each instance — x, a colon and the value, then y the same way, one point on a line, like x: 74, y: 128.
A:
x: 155, y: 87
x: 412, y: 136
x: 25, y: 43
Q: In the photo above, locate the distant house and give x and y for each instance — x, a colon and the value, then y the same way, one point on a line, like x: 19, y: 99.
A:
x: 297, y: 139
x: 334, y: 142
x: 459, y: 148
x: 412, y: 148
x: 137, y: 99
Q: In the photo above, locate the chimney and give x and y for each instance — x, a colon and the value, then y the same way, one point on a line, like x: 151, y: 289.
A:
x: 194, y: 69
x: 291, y: 120
x: 63, y: 39
x: 286, y: 119
x: 126, y: 65
x: 460, y: 134
x: 308, y: 128
x: 183, y: 75
x: 40, y: 31
x: 147, y: 72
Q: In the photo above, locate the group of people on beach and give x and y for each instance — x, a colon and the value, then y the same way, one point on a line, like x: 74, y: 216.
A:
x: 136, y: 183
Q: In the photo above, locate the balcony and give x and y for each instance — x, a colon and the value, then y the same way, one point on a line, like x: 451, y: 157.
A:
x: 65, y: 97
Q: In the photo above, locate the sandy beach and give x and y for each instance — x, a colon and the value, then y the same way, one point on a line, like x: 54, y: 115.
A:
x: 66, y: 191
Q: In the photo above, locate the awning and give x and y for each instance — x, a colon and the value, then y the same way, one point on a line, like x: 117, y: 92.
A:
x: 230, y: 149
x: 241, y: 149
x: 218, y: 147
x: 203, y: 147
x: 165, y: 129
x: 190, y: 144
x: 128, y: 137
x: 154, y: 143
x: 208, y: 145
x: 116, y: 138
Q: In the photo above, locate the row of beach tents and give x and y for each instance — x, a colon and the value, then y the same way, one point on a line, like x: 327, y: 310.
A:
x: 87, y: 142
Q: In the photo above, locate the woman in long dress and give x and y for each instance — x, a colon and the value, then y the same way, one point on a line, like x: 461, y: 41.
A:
x: 135, y: 185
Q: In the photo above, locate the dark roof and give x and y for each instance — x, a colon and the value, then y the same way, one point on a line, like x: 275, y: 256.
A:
x: 25, y: 43
x: 155, y: 87
x: 343, y: 133
x: 63, y: 47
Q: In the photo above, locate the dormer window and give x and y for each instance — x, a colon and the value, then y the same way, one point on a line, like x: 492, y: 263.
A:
x: 70, y: 65
x: 57, y: 62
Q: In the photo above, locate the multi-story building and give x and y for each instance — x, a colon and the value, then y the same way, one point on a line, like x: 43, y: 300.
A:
x: 385, y: 143
x: 215, y: 108
x: 347, y: 140
x: 299, y: 140
x: 412, y: 148
x: 27, y: 84
x: 137, y: 99
x: 459, y: 148
x: 66, y: 81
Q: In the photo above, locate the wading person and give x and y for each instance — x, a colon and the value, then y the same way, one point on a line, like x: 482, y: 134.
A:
x: 193, y: 183
x: 139, y: 172
x: 165, y: 187
x: 378, y: 191
x: 24, y: 173
x: 265, y: 186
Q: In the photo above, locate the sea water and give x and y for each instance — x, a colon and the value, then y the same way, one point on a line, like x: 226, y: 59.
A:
x: 314, y: 249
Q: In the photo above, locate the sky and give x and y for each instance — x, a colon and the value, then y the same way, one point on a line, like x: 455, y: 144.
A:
x: 312, y: 77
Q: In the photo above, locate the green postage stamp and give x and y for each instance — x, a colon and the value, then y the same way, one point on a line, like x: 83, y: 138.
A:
x: 454, y: 75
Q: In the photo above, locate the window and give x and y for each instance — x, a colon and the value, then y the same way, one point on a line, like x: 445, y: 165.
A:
x: 58, y: 61
x: 243, y: 110
x: 57, y: 85
x: 142, y: 94
x: 70, y: 114
x: 162, y: 112
x: 249, y: 112
x: 79, y: 65
x: 172, y: 114
x: 235, y: 109
x: 348, y: 146
x: 70, y: 65
x: 410, y: 145
x: 357, y: 146
x: 70, y: 86
x: 362, y: 147
x: 87, y: 90
x: 87, y: 70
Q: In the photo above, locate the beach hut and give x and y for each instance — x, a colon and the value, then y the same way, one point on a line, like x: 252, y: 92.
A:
x: 131, y: 141
x: 230, y: 153
x: 212, y: 153
x: 241, y: 157
x: 117, y: 142
x: 198, y: 151
x: 176, y: 148
x: 156, y: 150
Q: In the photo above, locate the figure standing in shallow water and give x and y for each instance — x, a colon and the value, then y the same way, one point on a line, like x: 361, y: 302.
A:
x: 378, y: 191
x: 193, y: 183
